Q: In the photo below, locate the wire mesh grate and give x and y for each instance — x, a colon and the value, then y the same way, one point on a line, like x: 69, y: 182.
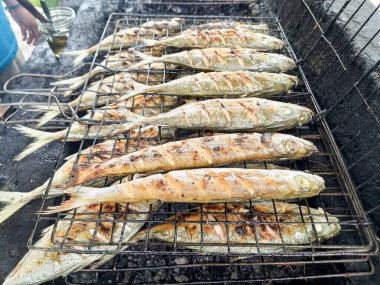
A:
x: 108, y: 223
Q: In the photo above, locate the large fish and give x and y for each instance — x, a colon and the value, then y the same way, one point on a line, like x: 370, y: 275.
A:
x: 79, y: 131
x: 38, y: 266
x: 245, y: 114
x: 228, y: 84
x: 221, y: 38
x: 197, y: 153
x: 245, y: 229
x: 205, y: 185
x: 222, y: 59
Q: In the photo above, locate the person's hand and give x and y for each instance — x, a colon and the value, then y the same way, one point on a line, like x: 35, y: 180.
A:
x: 27, y: 24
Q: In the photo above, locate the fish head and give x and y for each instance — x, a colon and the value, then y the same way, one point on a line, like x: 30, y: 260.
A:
x: 326, y: 226
x: 309, y: 184
x: 270, y: 43
x: 293, y: 146
x: 305, y: 115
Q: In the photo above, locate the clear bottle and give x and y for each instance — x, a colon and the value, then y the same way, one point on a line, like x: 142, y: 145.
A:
x: 58, y: 31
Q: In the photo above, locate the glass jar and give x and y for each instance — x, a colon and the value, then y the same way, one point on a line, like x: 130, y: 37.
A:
x: 57, y: 32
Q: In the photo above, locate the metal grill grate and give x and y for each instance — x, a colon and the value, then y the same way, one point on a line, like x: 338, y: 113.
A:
x: 354, y: 245
x: 338, y: 199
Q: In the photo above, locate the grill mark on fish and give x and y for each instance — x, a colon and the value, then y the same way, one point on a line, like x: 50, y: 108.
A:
x: 207, y: 113
x: 220, y: 58
x: 221, y: 36
x: 249, y: 111
x: 205, y: 59
x: 224, y: 110
x: 214, y: 81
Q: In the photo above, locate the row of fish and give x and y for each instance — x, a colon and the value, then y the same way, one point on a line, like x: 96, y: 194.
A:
x: 186, y: 170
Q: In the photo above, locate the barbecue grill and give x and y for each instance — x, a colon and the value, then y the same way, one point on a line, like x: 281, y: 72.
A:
x: 335, y: 84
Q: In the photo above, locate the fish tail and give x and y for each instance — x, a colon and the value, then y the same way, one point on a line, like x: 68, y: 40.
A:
x: 41, y: 139
x: 48, y: 116
x: 146, y: 59
x: 80, y: 55
x: 78, y: 198
x: 13, y: 201
x: 81, y: 174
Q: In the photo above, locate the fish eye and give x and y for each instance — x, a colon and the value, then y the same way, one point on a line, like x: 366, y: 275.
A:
x: 291, y: 146
x: 304, y: 183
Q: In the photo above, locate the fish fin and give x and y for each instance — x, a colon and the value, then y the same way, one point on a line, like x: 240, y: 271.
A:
x: 81, y: 174
x: 150, y: 43
x: 48, y: 116
x: 67, y: 81
x: 102, y: 261
x: 74, y: 83
x: 13, y: 202
x: 41, y: 139
x: 146, y: 59
x: 79, y: 198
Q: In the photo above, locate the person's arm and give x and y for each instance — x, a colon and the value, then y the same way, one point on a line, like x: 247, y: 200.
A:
x: 25, y: 20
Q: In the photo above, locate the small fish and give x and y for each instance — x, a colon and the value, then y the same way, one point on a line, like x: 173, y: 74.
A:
x: 38, y: 266
x: 244, y: 114
x: 118, y: 63
x: 224, y: 84
x: 95, y: 95
x: 123, y: 39
x: 222, y: 59
x: 197, y: 153
x: 220, y: 38
x: 205, y: 185
x: 258, y: 28
x: 164, y: 26
x: 80, y: 131
x: 249, y: 229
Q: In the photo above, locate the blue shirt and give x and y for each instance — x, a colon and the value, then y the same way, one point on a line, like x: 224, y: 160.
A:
x: 8, y: 42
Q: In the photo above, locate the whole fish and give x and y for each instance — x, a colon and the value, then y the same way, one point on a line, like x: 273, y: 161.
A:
x: 224, y: 84
x: 118, y: 63
x: 80, y: 131
x: 125, y: 38
x: 164, y: 26
x: 246, y: 114
x: 38, y: 266
x: 95, y: 95
x: 222, y: 59
x: 197, y: 153
x: 221, y: 38
x: 205, y: 185
x: 258, y: 28
x: 249, y: 228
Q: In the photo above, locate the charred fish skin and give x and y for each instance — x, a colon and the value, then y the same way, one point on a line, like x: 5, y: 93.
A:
x: 245, y: 114
x: 199, y: 152
x: 261, y: 227
x: 223, y: 59
x: 223, y: 38
x: 207, y: 185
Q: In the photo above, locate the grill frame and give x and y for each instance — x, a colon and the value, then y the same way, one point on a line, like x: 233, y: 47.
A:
x: 369, y: 249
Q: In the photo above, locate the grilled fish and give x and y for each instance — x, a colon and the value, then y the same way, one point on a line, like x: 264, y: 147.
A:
x: 122, y: 39
x: 164, y: 26
x: 258, y: 28
x: 249, y: 226
x: 224, y: 84
x: 246, y: 114
x: 38, y: 267
x: 79, y: 131
x: 113, y: 86
x: 118, y: 63
x: 199, y: 152
x: 203, y: 185
x: 222, y: 59
x: 220, y: 38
